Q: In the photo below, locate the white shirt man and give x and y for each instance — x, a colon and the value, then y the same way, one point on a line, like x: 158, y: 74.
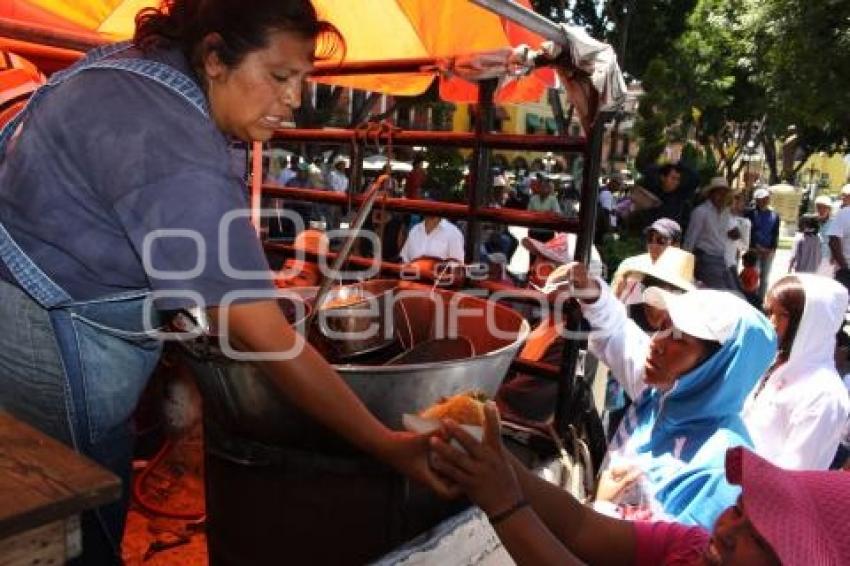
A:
x: 433, y: 237
x: 709, y: 237
x: 708, y: 230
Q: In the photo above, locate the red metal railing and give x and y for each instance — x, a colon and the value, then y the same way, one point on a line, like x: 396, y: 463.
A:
x: 574, y: 144
x: 545, y: 220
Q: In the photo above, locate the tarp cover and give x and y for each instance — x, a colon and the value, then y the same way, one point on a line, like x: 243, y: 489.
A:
x: 373, y: 30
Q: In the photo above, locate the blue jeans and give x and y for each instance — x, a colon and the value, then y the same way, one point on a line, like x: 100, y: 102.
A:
x: 88, y: 407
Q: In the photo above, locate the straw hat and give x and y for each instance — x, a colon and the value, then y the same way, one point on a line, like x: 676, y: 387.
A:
x: 674, y: 267
x: 716, y: 183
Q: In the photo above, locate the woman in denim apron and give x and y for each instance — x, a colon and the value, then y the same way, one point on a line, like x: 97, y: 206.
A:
x: 74, y: 367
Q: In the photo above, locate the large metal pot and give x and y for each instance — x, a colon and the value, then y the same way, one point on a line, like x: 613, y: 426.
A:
x: 240, y: 399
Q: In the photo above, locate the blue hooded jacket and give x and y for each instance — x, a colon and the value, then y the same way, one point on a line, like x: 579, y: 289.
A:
x: 679, y: 438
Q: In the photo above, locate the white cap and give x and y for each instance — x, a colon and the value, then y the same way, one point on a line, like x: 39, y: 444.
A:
x: 707, y: 314
x: 824, y: 200
x: 761, y: 193
x: 845, y: 190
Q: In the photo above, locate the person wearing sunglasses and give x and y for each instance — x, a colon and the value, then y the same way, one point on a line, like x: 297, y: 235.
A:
x: 688, y: 382
x: 660, y: 235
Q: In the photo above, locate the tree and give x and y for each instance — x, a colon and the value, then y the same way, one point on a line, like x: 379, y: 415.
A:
x: 804, y: 49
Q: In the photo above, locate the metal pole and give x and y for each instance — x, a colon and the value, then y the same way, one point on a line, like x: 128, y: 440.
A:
x: 528, y: 19
x: 479, y: 181
x: 572, y: 390
x: 590, y: 190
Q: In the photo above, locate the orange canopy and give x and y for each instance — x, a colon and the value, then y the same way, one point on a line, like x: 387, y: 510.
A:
x: 373, y: 30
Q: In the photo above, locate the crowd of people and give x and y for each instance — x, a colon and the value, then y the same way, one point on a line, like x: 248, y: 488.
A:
x: 713, y: 371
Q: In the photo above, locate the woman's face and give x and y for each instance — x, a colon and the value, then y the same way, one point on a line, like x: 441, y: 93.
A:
x: 778, y: 315
x: 253, y: 99
x: 672, y: 354
x: 735, y: 542
x: 656, y: 244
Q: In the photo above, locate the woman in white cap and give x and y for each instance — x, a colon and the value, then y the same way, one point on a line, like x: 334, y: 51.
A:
x: 797, y: 412
x: 688, y: 382
x: 781, y: 517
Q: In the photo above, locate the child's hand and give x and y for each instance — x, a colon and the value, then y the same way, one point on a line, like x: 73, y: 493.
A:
x: 616, y: 481
x: 482, y: 471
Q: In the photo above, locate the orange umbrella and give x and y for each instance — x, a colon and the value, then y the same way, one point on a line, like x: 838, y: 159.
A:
x: 373, y: 30
x: 18, y: 80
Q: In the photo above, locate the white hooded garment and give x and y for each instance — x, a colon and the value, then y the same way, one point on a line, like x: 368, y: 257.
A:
x: 796, y: 421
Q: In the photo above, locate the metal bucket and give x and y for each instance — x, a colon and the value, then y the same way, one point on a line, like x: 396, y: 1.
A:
x: 241, y: 401
x: 358, y: 328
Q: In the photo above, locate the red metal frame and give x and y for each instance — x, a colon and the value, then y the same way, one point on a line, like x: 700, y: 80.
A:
x: 575, y: 144
x: 546, y: 220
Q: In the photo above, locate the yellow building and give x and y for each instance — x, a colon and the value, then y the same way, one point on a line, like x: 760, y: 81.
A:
x: 831, y: 172
x: 528, y: 118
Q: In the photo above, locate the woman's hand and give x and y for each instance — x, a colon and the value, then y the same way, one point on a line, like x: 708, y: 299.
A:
x: 584, y: 287
x: 482, y: 471
x: 408, y: 453
x: 615, y: 481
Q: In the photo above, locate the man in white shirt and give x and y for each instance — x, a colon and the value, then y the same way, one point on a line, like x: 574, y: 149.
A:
x: 839, y: 239
x: 433, y: 237
x: 709, y: 235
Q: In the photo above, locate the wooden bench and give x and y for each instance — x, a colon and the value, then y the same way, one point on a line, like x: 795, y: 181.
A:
x: 44, y: 486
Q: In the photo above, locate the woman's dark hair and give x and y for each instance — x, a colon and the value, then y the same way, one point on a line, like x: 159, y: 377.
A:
x: 243, y: 27
x: 809, y: 224
x: 789, y: 293
x: 668, y: 168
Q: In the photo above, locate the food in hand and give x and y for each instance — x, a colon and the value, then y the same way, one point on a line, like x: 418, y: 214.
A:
x: 465, y: 408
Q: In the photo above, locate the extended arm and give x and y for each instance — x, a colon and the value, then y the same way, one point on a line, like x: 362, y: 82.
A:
x: 555, y: 529
x: 310, y: 383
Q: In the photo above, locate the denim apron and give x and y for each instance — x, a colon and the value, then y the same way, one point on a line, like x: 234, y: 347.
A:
x: 106, y: 347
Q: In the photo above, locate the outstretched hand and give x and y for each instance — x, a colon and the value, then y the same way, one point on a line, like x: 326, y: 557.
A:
x: 575, y: 274
x: 409, y: 454
x: 481, y: 469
